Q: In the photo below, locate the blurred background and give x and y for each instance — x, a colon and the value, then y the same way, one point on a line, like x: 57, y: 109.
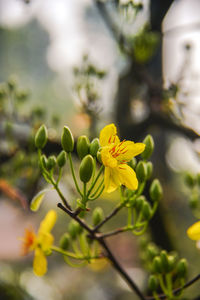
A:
x: 84, y: 64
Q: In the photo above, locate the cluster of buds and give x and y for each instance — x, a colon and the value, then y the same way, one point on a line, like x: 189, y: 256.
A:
x: 140, y: 209
x: 87, y: 152
x: 167, y: 270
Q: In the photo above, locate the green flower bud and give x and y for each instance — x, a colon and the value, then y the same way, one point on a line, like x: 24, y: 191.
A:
x: 51, y: 162
x: 153, y: 283
x: 139, y: 202
x: 141, y: 171
x: 41, y: 137
x: 149, y: 169
x: 156, y: 192
x: 182, y: 267
x: 22, y: 95
x: 194, y: 200
x: 64, y: 242
x: 132, y: 202
x: 99, y: 157
x: 132, y: 163
x: 190, y: 180
x: 157, y: 265
x: 74, y: 229
x: 86, y: 168
x: 61, y: 159
x: 3, y: 91
x: 67, y: 140
x: 146, y: 211
x: 171, y: 262
x: 148, y: 141
x: 164, y: 260
x: 97, y: 216
x: 83, y: 145
x: 43, y: 161
x: 12, y: 83
x: 94, y: 147
x: 152, y: 250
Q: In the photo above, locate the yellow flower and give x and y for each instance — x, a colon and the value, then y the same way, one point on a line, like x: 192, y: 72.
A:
x: 40, y: 243
x: 193, y: 231
x: 114, y: 156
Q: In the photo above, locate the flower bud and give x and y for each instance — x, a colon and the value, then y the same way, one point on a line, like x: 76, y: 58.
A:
x: 171, y: 262
x: 94, y: 147
x: 148, y: 141
x: 156, y: 192
x: 152, y: 250
x: 61, y: 159
x: 12, y: 83
x: 157, y: 265
x: 97, y: 216
x: 189, y: 180
x: 153, y: 283
x: 164, y: 260
x: 182, y: 267
x: 139, y: 202
x: 99, y: 156
x: 43, y: 161
x: 141, y: 171
x: 149, y: 169
x: 82, y: 147
x: 194, y: 200
x: 64, y: 242
x: 132, y: 163
x: 74, y: 229
x: 67, y: 140
x: 146, y: 211
x: 51, y: 162
x: 41, y: 137
x: 86, y: 168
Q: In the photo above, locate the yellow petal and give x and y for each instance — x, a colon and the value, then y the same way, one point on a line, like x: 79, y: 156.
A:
x: 39, y: 262
x: 127, y: 176
x: 193, y: 231
x: 108, y: 135
x: 107, y: 159
x: 111, y: 182
x: 127, y: 150
x: 45, y: 240
x: 49, y: 221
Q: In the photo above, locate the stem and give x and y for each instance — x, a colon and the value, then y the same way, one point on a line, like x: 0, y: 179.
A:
x: 98, y: 195
x: 95, y: 181
x: 98, y: 188
x: 62, y: 197
x: 73, y: 174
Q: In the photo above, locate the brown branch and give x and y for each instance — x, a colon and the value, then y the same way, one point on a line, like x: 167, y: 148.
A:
x: 109, y: 255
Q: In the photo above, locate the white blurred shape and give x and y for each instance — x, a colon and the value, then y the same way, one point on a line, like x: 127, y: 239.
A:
x: 181, y: 156
x: 15, y: 13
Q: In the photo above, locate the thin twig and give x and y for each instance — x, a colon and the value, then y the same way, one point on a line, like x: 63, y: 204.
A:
x: 118, y: 267
x: 113, y: 213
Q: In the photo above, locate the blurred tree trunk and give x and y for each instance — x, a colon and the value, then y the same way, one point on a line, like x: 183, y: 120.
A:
x: 148, y: 76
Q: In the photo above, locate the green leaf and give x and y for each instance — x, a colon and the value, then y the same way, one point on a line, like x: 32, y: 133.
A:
x: 37, y: 200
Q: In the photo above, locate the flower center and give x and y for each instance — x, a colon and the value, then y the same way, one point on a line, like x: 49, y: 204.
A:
x: 28, y: 241
x: 118, y: 149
